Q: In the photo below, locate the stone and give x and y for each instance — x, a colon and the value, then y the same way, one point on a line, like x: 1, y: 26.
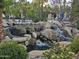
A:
x: 34, y: 34
x: 77, y: 56
x: 64, y: 44
x: 49, y: 33
x: 39, y: 26
x: 51, y: 22
x: 47, y: 25
x: 7, y: 38
x: 36, y: 54
x: 68, y: 29
x: 22, y: 39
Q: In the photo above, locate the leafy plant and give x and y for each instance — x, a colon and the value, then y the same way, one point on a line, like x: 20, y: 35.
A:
x: 12, y: 50
x: 59, y: 53
x: 75, y: 45
x: 77, y: 25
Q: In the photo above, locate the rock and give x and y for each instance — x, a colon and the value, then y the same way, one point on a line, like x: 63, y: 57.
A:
x: 7, y: 38
x: 36, y: 54
x: 34, y: 35
x: 41, y: 45
x: 75, y: 32
x: 49, y: 33
x: 64, y: 44
x: 47, y: 25
x: 77, y: 56
x: 68, y: 29
x: 39, y: 26
x: 26, y: 43
x: 50, y: 16
x: 32, y: 41
x: 22, y: 39
x: 55, y: 22
x: 30, y: 28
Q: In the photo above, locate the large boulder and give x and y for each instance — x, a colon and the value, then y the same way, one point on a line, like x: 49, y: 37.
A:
x: 22, y: 39
x: 55, y: 22
x: 30, y: 45
x: 36, y: 54
x: 49, y: 33
x: 39, y: 26
x: 30, y: 28
x: 64, y: 44
x: 47, y: 25
x: 68, y: 29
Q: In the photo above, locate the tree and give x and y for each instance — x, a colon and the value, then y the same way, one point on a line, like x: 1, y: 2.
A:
x: 3, y: 3
x: 75, y: 9
x: 8, y: 4
x: 37, y: 11
x: 37, y: 1
x: 19, y: 9
x: 75, y: 13
x: 1, y: 26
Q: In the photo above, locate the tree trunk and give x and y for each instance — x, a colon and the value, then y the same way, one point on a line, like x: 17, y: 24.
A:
x: 1, y: 27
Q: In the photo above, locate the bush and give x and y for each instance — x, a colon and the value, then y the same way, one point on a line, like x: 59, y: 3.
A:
x: 12, y: 50
x: 59, y: 53
x: 75, y: 45
x: 77, y: 25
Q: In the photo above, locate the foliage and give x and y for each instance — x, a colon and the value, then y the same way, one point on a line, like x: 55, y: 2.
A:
x: 78, y: 25
x: 75, y: 8
x: 37, y: 1
x: 56, y: 9
x: 1, y: 25
x: 7, y: 5
x: 37, y: 12
x: 59, y: 53
x: 1, y: 4
x: 15, y: 10
x: 75, y: 12
x: 12, y: 50
x: 34, y: 11
x: 75, y: 45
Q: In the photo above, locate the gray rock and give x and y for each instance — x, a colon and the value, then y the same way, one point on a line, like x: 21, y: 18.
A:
x: 36, y: 54
x: 49, y: 33
x: 22, y: 39
x: 77, y: 56
x: 34, y: 34
x: 68, y: 29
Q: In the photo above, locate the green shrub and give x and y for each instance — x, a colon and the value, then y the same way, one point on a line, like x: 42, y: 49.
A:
x: 59, y: 53
x: 75, y: 45
x: 12, y: 50
x: 77, y: 25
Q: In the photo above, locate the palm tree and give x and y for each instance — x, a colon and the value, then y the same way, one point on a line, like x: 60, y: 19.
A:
x: 1, y: 26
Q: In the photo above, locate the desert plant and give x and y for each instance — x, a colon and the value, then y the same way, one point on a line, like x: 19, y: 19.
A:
x: 12, y: 50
